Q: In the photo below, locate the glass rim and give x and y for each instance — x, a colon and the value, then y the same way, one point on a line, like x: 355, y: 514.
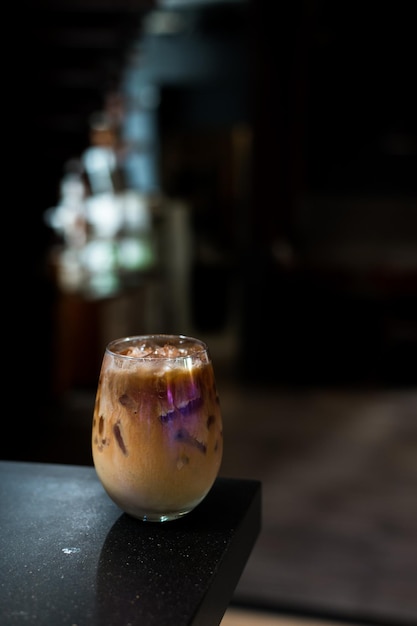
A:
x: 161, y: 339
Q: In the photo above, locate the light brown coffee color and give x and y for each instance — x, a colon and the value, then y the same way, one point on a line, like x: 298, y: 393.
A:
x: 157, y: 436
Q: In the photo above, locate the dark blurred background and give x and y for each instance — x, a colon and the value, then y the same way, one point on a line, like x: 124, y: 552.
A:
x: 288, y: 133
x: 268, y: 154
x: 287, y: 137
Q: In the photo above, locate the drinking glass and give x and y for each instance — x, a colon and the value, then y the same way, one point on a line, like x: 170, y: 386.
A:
x: 157, y: 435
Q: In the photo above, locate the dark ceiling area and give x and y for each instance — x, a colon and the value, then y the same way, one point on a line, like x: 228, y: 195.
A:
x: 78, y: 51
x: 75, y: 53
x: 332, y: 96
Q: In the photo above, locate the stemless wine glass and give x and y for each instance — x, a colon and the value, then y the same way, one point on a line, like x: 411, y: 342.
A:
x: 157, y: 435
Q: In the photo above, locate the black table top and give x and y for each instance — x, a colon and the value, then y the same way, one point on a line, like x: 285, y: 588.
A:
x: 70, y: 556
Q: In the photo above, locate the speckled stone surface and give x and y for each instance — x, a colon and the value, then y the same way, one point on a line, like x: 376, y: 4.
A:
x: 69, y: 556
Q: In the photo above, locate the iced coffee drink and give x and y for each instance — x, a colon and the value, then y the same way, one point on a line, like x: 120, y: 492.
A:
x: 157, y: 438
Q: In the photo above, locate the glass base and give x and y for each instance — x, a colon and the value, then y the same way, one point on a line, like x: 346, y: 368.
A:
x: 140, y: 512
x: 159, y: 517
